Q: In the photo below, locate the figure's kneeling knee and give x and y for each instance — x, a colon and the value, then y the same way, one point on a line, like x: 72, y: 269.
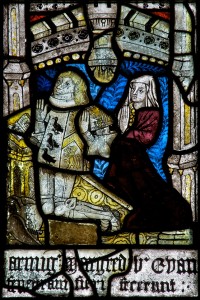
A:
x: 47, y: 208
x: 47, y: 205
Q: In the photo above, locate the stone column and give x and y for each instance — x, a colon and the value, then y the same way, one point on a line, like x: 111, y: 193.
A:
x: 183, y: 163
x: 16, y: 72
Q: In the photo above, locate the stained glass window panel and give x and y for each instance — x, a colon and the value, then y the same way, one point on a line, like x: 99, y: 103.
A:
x: 99, y: 149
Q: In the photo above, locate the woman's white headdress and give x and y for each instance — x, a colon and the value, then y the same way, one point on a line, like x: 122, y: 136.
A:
x: 151, y: 99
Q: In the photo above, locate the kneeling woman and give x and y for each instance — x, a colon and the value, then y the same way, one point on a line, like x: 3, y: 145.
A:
x: 132, y: 176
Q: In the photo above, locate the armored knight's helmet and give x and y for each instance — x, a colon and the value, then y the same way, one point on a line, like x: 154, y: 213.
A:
x: 69, y: 90
x: 99, y: 119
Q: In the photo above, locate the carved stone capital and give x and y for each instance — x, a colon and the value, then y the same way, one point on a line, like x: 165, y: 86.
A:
x: 183, y: 161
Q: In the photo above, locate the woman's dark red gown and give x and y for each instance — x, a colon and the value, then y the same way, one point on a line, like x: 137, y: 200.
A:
x: 132, y: 176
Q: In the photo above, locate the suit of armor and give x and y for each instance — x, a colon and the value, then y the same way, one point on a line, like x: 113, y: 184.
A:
x: 60, y: 153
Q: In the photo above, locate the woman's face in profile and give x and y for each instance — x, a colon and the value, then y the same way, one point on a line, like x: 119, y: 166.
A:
x: 138, y: 94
